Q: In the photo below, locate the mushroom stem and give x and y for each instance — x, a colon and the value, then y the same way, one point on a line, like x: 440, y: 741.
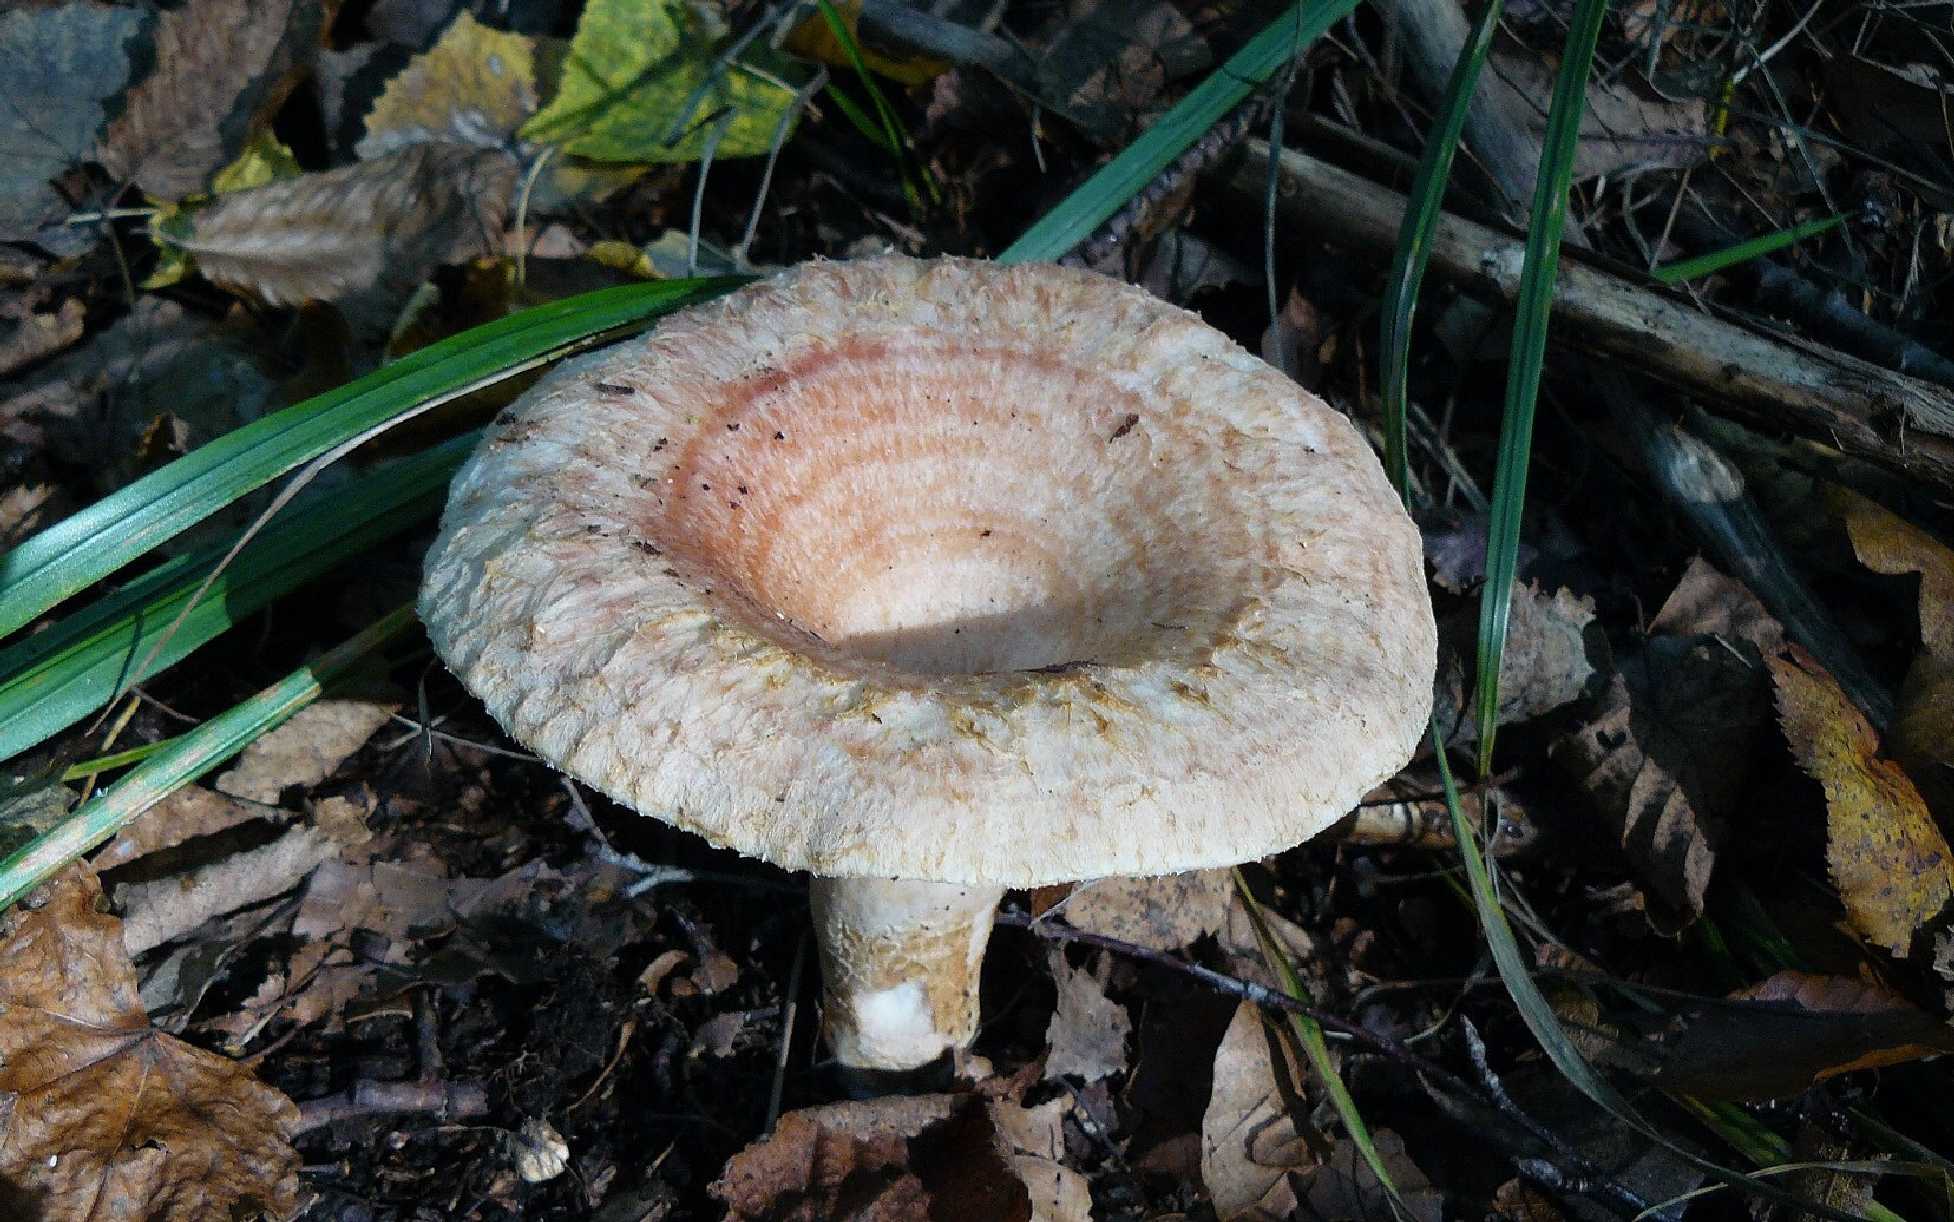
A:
x: 900, y: 961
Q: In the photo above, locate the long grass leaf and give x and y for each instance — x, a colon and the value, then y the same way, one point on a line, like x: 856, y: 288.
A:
x: 1536, y: 297
x: 892, y: 133
x: 1120, y: 179
x: 191, y: 756
x: 54, y: 678
x: 1426, y: 202
x: 100, y: 539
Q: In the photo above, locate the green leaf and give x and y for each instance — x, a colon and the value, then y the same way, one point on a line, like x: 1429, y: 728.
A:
x: 1743, y: 252
x: 643, y: 83
x: 1127, y: 174
x: 54, y: 678
x: 1536, y: 300
x: 98, y: 540
x: 187, y: 758
x: 1415, y: 242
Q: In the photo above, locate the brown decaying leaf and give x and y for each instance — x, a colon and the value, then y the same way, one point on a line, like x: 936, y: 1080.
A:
x: 222, y: 68
x: 1164, y: 913
x: 34, y: 333
x: 951, y: 1158
x: 305, y: 750
x: 1253, y: 1134
x: 326, y: 236
x: 1707, y: 601
x: 1889, y: 861
x: 1548, y: 663
x: 1088, y: 1032
x: 111, y: 1118
x: 1622, y: 127
x: 1663, y: 757
x: 1923, y: 728
x: 1784, y: 1034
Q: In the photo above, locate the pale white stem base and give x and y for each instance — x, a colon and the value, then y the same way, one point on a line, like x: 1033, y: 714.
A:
x: 900, y: 961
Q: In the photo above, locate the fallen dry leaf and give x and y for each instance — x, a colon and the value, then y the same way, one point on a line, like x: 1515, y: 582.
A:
x: 1622, y: 127
x: 1663, y: 754
x: 1922, y: 740
x: 1088, y: 1032
x: 305, y: 750
x: 1345, y: 1187
x: 329, y: 235
x: 1888, y: 860
x: 1164, y: 913
x: 1779, y: 1037
x: 63, y: 65
x: 475, y: 86
x: 1552, y: 646
x: 892, y: 1159
x: 1706, y: 601
x: 1253, y: 1135
x: 108, y: 1117
x: 221, y: 69
x: 1033, y: 1140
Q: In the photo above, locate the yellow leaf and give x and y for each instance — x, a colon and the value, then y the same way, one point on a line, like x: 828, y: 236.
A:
x: 1889, y: 862
x: 265, y: 160
x: 643, y: 83
x: 475, y: 86
x: 1923, y: 728
x: 814, y: 39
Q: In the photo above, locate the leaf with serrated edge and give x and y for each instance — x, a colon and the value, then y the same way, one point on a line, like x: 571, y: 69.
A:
x: 111, y: 1117
x: 324, y: 236
x: 1889, y: 862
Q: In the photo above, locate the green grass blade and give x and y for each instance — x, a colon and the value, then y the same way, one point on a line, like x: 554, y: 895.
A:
x: 1421, y: 215
x: 892, y: 134
x: 54, y: 678
x: 1744, y: 252
x: 1120, y: 179
x: 100, y: 539
x: 1309, y: 1036
x: 189, y: 757
x: 1536, y: 298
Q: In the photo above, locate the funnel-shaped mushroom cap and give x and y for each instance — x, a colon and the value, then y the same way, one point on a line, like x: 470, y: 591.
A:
x: 942, y: 570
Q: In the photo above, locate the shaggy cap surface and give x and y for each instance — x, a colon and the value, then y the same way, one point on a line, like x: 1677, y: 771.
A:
x: 942, y: 570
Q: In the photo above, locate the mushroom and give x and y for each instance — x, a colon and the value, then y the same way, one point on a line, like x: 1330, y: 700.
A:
x: 933, y: 578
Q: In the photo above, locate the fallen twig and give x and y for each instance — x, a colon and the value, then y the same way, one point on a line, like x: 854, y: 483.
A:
x: 448, y: 1100
x: 1776, y: 383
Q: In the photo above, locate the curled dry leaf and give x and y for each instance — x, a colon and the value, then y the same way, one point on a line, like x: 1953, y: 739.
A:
x: 1623, y: 127
x: 111, y: 1118
x: 1889, y: 861
x: 221, y: 69
x: 1088, y: 1032
x: 325, y: 236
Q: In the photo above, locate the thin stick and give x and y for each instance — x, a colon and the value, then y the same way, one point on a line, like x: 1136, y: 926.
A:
x: 789, y: 1005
